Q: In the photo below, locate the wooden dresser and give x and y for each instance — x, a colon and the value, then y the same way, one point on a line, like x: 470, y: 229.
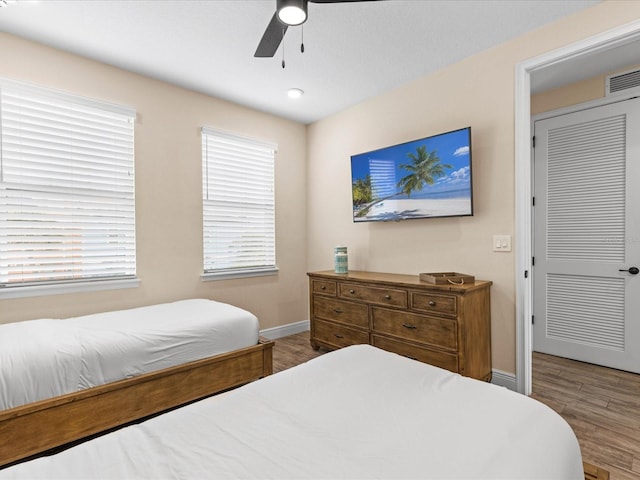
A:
x: 448, y: 326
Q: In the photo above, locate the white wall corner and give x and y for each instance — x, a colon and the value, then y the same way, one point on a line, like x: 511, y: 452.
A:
x: 285, y: 330
x: 504, y: 379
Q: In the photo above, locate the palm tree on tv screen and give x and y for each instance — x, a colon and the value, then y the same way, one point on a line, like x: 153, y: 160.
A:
x: 425, y: 168
x: 362, y: 191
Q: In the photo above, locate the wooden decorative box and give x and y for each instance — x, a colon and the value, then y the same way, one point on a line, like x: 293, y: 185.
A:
x: 442, y: 278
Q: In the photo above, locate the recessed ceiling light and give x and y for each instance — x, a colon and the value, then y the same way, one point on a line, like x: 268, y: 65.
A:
x: 295, y: 93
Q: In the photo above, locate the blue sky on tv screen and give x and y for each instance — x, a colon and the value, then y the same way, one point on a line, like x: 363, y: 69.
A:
x: 452, y: 148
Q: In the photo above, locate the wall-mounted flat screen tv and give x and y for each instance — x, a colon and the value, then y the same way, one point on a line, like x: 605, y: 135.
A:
x: 425, y: 178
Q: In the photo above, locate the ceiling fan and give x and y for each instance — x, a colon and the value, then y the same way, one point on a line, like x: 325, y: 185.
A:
x: 288, y: 13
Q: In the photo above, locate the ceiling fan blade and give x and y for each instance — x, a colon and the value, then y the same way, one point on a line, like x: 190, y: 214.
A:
x: 271, y: 39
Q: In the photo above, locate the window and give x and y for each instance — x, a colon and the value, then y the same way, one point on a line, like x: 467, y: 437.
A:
x: 67, y: 209
x: 238, y: 205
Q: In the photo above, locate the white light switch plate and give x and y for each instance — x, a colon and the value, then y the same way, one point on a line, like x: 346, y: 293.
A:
x: 502, y: 243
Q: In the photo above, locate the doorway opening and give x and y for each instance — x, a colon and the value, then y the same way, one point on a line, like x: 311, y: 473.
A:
x: 585, y: 211
x: 587, y: 49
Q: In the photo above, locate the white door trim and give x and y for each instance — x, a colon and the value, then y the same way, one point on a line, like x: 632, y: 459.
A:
x: 523, y: 176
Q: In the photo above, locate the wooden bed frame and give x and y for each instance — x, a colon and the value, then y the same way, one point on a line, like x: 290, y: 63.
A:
x: 591, y: 472
x: 37, y: 427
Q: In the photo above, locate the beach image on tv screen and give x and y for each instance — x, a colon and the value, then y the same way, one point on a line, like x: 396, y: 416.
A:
x: 430, y: 177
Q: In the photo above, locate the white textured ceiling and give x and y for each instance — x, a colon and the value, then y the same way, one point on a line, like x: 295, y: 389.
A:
x: 353, y: 51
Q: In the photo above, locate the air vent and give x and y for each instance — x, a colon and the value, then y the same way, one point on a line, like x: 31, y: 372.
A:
x: 625, y: 82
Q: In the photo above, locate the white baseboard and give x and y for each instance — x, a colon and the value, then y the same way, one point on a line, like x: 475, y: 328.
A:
x: 504, y: 379
x: 285, y: 330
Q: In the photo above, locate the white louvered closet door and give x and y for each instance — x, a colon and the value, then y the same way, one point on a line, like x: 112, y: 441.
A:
x: 587, y: 236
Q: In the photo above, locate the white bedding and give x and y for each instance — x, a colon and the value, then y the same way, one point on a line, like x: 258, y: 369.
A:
x: 355, y: 413
x: 41, y: 359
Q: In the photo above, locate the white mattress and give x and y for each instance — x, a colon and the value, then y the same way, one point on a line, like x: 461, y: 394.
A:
x: 44, y: 358
x: 355, y: 413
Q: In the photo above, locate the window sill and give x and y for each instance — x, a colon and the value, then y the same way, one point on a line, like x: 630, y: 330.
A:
x: 71, y: 287
x: 231, y: 274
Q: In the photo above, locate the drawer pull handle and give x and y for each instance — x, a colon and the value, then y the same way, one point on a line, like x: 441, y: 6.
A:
x: 432, y: 303
x: 323, y: 287
x: 409, y: 326
x: 387, y: 296
x: 337, y: 310
x: 338, y: 336
x: 352, y: 291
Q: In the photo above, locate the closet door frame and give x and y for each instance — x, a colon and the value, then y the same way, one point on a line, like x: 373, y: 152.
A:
x: 599, y: 43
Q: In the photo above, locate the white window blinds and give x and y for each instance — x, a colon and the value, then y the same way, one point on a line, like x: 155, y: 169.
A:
x: 66, y: 188
x: 238, y: 204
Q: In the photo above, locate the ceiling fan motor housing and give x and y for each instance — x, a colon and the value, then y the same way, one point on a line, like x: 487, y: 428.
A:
x: 292, y: 12
x: 280, y: 22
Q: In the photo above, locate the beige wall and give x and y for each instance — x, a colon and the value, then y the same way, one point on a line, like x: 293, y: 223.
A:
x: 168, y: 189
x: 573, y: 94
x: 479, y: 92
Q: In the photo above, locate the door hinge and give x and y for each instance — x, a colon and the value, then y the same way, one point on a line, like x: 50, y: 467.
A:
x: 533, y: 261
x: 526, y: 274
x: 533, y: 141
x: 533, y: 201
x: 533, y: 319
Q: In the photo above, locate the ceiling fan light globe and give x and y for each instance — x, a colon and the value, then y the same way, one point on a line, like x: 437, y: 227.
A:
x: 292, y: 12
x: 295, y: 93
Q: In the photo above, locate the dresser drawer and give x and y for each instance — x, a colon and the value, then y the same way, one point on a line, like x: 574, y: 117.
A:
x: 439, y: 332
x: 445, y: 360
x: 439, y: 304
x: 324, y: 286
x: 338, y: 335
x: 349, y: 313
x: 442, y: 325
x: 377, y: 295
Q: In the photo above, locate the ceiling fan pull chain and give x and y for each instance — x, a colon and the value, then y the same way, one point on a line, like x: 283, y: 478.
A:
x: 283, y: 30
x: 302, y: 42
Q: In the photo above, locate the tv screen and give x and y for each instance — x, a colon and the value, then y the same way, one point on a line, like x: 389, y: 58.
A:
x: 425, y: 178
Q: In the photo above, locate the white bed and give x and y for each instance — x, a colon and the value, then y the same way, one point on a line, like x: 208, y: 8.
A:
x: 46, y: 358
x: 355, y: 413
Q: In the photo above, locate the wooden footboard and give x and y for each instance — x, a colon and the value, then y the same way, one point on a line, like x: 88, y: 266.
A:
x: 591, y: 472
x: 31, y: 429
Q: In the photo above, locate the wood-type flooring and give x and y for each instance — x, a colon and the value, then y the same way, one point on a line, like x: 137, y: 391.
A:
x: 601, y: 405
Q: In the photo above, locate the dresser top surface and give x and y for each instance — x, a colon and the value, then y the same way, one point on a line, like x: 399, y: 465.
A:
x: 398, y: 279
